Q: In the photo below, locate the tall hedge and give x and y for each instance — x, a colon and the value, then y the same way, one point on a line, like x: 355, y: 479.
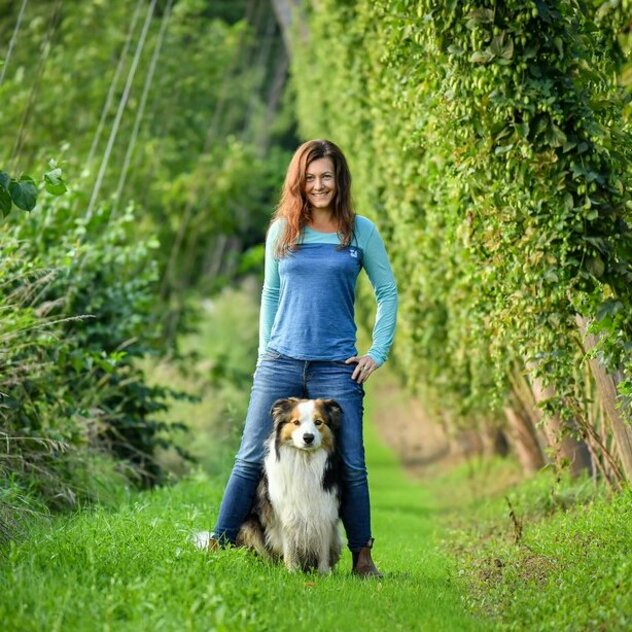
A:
x: 489, y: 142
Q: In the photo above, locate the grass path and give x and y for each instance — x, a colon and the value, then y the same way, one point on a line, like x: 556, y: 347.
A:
x: 133, y: 568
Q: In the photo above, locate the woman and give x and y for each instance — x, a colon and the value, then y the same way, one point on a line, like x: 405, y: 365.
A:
x: 315, y: 248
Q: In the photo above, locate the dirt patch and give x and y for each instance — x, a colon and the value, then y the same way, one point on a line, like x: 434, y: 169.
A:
x: 425, y: 448
x: 403, y: 425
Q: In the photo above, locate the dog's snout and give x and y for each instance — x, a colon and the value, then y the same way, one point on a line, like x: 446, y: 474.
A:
x: 308, y: 437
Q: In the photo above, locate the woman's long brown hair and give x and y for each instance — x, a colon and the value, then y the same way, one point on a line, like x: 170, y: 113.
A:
x: 294, y: 206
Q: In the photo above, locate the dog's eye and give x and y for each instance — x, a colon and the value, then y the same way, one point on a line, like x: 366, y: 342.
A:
x: 318, y: 422
x: 296, y: 422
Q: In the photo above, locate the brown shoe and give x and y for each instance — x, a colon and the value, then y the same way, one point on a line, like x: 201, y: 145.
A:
x: 363, y: 565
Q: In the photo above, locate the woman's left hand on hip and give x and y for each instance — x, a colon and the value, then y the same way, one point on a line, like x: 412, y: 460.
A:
x: 366, y: 365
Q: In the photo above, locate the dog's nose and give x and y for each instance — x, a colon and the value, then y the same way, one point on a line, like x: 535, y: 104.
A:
x: 308, y: 438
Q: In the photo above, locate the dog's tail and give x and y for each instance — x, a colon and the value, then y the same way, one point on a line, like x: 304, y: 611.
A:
x: 201, y: 539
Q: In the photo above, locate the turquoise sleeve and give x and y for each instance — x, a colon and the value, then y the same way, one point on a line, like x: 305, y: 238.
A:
x: 378, y: 269
x: 271, y: 288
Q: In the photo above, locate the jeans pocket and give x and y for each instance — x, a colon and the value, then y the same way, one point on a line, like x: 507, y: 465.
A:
x: 343, y: 363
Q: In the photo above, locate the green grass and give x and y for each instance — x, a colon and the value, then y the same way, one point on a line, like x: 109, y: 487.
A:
x: 134, y: 569
x: 563, y: 562
x: 128, y: 564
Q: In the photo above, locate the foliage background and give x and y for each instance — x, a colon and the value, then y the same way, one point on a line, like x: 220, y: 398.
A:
x: 167, y: 151
x: 491, y: 143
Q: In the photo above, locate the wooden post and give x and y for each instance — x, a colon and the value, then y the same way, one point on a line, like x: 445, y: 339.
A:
x: 617, y: 410
x: 565, y: 447
x: 524, y: 437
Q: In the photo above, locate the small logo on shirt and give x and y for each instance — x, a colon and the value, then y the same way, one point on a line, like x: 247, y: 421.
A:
x: 353, y: 252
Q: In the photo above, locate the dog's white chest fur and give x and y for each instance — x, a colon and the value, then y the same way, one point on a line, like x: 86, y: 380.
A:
x: 304, y: 510
x: 295, y: 484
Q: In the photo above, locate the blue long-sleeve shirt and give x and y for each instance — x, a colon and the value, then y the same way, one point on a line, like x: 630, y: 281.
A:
x: 307, y: 301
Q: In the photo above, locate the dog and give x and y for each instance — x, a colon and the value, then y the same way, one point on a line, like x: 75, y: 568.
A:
x: 295, y: 514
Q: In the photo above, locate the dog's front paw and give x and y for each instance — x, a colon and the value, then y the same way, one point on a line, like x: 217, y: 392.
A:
x: 291, y: 565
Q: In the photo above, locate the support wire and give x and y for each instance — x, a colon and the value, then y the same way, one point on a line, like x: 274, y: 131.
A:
x: 119, y: 112
x: 12, y: 41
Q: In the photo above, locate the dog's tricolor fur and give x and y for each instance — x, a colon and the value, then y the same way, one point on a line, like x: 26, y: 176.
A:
x: 296, y: 511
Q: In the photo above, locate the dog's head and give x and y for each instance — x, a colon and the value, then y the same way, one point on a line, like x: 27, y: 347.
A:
x: 306, y: 424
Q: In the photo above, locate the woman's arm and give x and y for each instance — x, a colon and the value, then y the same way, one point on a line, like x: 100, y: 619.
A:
x: 271, y: 288
x: 378, y: 268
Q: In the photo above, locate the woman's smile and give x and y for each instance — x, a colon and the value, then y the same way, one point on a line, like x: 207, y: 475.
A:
x: 320, y: 183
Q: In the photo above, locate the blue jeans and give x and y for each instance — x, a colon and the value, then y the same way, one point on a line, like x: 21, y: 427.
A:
x: 278, y: 376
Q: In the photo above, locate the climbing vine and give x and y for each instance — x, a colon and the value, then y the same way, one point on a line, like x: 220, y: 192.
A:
x: 489, y: 141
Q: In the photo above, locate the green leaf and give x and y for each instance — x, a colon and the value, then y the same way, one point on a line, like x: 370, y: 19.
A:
x: 501, y: 49
x: 5, y: 179
x: 596, y: 266
x: 497, y: 43
x: 54, y: 175
x: 479, y: 16
x: 56, y: 189
x: 24, y: 193
x: 522, y: 129
x: 529, y: 53
x: 610, y: 307
x: 604, y: 9
x: 558, y: 44
x: 555, y: 136
x: 54, y: 183
x: 482, y: 56
x: 597, y: 242
x: 569, y: 201
x: 5, y: 202
x: 542, y: 124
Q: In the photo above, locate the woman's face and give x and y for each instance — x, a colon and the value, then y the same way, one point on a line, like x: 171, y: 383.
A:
x: 320, y: 183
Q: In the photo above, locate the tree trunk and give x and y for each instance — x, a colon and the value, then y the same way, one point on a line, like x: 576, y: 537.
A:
x: 565, y: 447
x: 524, y: 437
x: 493, y: 438
x: 522, y: 400
x: 617, y: 411
x: 291, y: 19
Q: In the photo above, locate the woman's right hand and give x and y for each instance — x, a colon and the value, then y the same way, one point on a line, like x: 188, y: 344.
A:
x: 366, y: 366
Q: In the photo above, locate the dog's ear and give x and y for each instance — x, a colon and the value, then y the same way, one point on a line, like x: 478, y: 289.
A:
x: 334, y: 413
x: 281, y: 408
